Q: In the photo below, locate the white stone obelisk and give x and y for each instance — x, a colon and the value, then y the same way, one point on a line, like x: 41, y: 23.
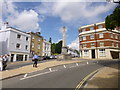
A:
x: 64, y: 48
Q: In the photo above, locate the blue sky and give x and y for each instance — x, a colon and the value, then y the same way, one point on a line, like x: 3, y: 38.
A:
x: 50, y: 17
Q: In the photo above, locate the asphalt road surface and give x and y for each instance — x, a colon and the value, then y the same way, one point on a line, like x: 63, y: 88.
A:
x: 65, y: 76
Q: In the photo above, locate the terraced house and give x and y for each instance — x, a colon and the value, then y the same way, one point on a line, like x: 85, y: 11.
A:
x: 95, y: 41
x: 36, y: 45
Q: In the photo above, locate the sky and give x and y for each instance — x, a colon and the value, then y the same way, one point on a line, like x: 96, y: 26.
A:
x: 50, y: 17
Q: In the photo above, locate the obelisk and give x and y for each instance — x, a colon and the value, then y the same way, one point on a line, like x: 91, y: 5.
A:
x: 64, y: 48
x: 64, y: 55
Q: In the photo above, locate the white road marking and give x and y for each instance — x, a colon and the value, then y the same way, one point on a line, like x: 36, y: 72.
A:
x: 87, y: 63
x: 38, y: 74
x: 50, y: 69
x: 25, y: 75
x: 76, y: 64
x: 64, y: 66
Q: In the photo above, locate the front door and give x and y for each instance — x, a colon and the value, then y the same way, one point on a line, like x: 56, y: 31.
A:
x: 93, y: 53
x: 12, y: 57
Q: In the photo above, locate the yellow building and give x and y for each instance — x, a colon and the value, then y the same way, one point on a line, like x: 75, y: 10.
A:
x: 36, y: 45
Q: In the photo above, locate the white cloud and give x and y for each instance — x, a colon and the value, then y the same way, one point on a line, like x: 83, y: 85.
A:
x: 74, y: 44
x: 72, y: 11
x: 26, y: 20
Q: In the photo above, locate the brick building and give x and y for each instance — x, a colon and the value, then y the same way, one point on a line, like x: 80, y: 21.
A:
x: 95, y: 41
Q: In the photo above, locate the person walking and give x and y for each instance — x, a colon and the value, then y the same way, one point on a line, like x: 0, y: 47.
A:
x: 5, y: 60
x: 35, y: 60
x: 1, y: 63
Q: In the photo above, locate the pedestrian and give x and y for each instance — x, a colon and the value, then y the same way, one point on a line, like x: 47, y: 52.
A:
x: 1, y: 63
x: 35, y: 60
x: 5, y: 60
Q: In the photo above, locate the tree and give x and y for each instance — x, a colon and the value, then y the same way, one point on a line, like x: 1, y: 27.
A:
x: 50, y: 40
x: 53, y: 48
x: 58, y: 47
x: 112, y: 21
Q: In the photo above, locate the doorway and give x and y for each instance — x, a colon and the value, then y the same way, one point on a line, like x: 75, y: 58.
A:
x: 93, y: 53
x: 12, y: 56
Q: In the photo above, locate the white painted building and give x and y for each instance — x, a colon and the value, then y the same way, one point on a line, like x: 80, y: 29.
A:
x: 15, y: 43
x: 72, y: 52
x: 46, y: 48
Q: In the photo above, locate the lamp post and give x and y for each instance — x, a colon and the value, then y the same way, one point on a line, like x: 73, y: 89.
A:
x: 96, y: 41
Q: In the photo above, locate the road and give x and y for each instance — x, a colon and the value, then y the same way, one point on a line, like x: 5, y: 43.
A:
x: 66, y: 76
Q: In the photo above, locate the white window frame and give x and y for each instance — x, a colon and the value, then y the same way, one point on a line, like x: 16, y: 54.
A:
x: 100, y: 26
x: 92, y: 37
x: 80, y: 38
x: 84, y: 30
x: 102, y: 52
x: 84, y: 45
x: 20, y: 36
x: 92, y: 44
x: 117, y: 44
x: 101, y: 44
x: 101, y: 35
x: 111, y: 35
x: 112, y: 44
x: 38, y: 46
x: 32, y: 45
x: 86, y: 53
x: 91, y: 28
x: 84, y: 37
x: 19, y: 46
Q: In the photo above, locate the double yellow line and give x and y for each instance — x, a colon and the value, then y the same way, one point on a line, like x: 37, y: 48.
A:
x: 85, y: 79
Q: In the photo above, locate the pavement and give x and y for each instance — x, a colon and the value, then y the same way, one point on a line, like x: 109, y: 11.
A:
x: 107, y: 77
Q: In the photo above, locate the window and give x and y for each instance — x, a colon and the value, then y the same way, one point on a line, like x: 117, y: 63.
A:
x: 84, y: 30
x: 26, y: 47
x: 116, y: 44
x: 92, y: 44
x: 18, y: 46
x: 101, y: 52
x: 26, y: 38
x: 84, y: 45
x: 80, y: 38
x: 101, y: 44
x: 32, y: 45
x: 18, y: 36
x: 80, y: 45
x: 39, y: 53
x: 38, y: 46
x: 111, y: 35
x: 100, y: 26
x: 84, y: 37
x: 86, y: 52
x: 32, y: 37
x: 101, y: 35
x: 112, y: 43
x: 91, y: 28
x: 116, y: 36
x: 92, y: 37
x: 38, y: 39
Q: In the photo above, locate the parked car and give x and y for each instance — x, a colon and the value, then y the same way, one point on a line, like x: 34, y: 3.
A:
x: 40, y: 58
x: 52, y: 57
x: 46, y: 57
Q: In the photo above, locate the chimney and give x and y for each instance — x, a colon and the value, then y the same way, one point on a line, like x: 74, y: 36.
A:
x: 4, y: 27
x: 38, y: 33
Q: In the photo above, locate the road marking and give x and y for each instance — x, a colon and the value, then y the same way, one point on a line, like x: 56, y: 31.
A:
x: 25, y: 75
x: 50, y: 69
x: 76, y: 64
x: 64, y: 66
x: 38, y: 74
x: 87, y: 63
x: 83, y: 81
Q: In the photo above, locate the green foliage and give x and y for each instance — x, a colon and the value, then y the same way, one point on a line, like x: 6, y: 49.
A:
x: 113, y: 20
x: 56, y: 48
x: 50, y: 40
